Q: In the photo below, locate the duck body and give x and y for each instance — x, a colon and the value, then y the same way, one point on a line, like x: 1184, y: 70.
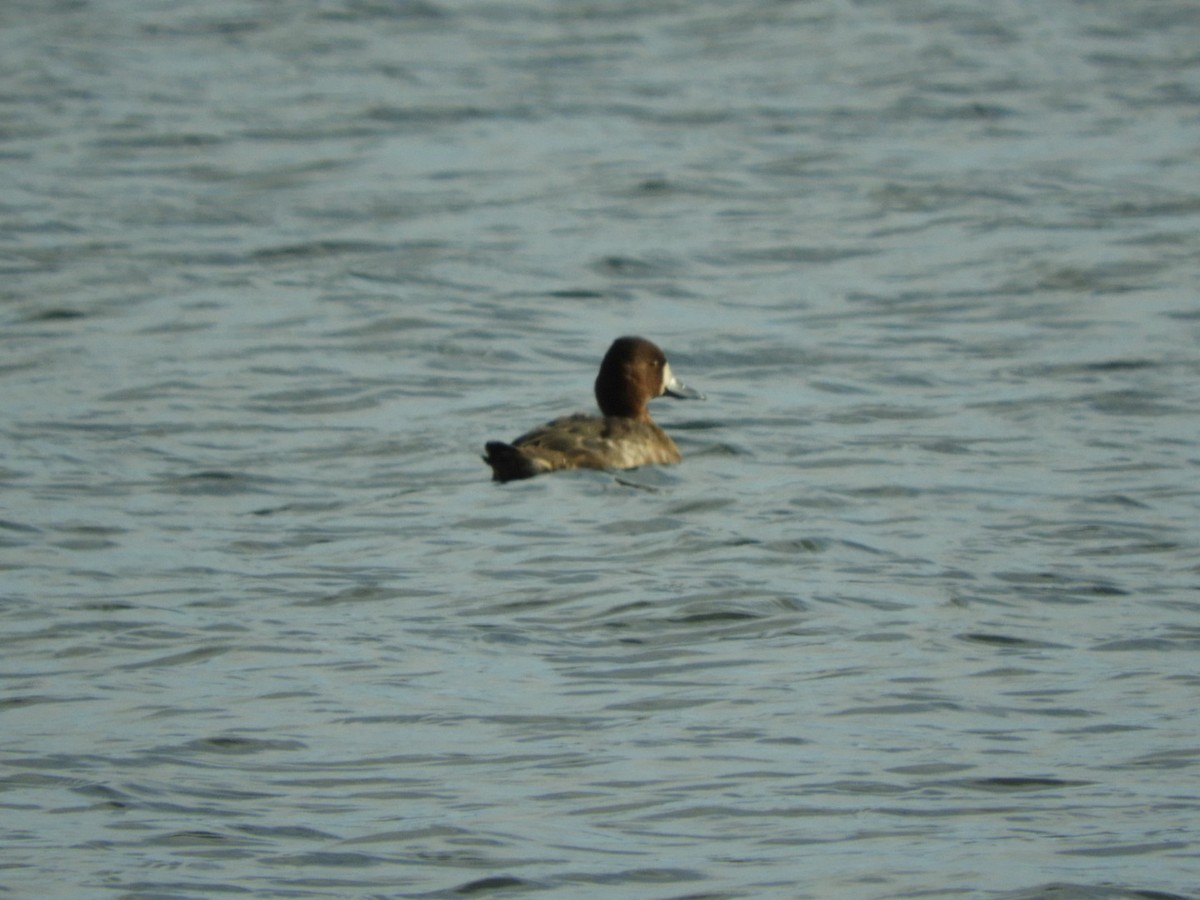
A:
x: 633, y: 372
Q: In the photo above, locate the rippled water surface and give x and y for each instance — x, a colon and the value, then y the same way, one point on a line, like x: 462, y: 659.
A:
x: 918, y: 615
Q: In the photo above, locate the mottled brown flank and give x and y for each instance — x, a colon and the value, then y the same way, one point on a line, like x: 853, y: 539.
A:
x: 631, y: 374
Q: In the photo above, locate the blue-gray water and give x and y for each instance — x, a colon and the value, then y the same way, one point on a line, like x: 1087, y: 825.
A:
x: 918, y: 615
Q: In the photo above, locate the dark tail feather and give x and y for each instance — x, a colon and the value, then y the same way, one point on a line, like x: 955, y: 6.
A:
x: 507, y: 462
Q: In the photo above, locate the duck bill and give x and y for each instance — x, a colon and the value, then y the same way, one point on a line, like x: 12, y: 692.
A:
x: 673, y: 387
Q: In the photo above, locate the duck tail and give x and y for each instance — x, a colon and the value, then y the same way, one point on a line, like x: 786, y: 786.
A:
x: 507, y: 462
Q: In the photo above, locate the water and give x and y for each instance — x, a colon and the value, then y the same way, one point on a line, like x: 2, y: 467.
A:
x: 917, y: 616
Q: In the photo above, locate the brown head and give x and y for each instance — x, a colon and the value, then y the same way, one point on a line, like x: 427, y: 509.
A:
x: 633, y: 372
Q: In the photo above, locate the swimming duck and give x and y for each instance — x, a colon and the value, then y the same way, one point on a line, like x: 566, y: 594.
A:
x: 633, y: 372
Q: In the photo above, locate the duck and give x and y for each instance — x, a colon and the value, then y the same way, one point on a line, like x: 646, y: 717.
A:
x: 633, y: 372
